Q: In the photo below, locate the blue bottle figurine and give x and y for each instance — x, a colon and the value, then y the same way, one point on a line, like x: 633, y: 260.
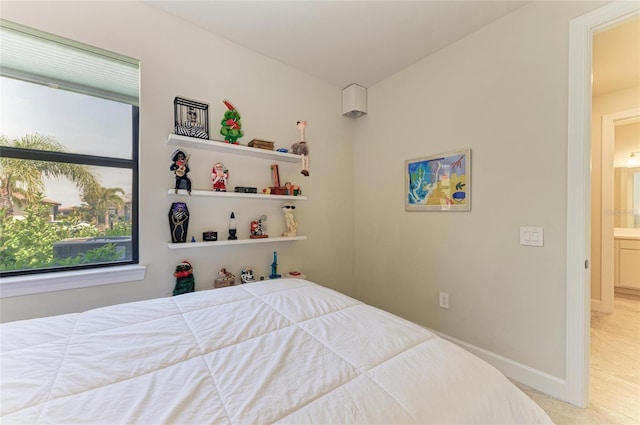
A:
x: 274, y: 267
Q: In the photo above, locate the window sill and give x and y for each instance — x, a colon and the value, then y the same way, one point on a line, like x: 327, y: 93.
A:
x: 49, y: 282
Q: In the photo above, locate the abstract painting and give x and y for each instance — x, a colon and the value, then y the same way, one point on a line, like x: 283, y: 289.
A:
x: 439, y: 182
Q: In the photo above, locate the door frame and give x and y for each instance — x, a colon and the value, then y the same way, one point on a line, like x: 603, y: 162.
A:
x: 578, y: 295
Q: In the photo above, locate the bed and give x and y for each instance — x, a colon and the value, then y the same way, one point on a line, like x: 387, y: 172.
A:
x: 283, y: 351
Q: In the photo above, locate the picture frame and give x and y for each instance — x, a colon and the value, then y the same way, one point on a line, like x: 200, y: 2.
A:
x: 439, y: 182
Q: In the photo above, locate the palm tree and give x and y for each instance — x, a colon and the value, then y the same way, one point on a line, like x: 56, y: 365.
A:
x: 99, y: 200
x: 27, y: 176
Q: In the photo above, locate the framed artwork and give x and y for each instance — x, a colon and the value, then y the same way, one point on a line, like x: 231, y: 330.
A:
x: 439, y: 182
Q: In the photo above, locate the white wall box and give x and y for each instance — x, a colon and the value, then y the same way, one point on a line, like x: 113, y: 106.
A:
x: 354, y: 101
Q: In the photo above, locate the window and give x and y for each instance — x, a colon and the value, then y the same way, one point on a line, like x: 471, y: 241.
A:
x: 68, y: 154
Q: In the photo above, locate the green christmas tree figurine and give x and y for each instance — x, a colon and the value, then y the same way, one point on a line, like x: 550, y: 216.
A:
x: 231, y: 126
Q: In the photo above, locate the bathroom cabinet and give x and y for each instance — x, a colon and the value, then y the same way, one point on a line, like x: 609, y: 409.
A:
x: 627, y: 263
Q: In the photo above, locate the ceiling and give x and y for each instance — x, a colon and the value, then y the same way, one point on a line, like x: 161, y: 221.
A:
x: 342, y: 42
x: 364, y: 42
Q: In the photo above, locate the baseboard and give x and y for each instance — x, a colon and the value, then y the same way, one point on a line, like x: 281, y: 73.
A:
x: 596, y: 305
x: 534, y: 378
x: 627, y: 291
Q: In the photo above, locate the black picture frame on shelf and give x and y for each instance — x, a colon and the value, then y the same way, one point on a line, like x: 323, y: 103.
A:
x: 191, y: 118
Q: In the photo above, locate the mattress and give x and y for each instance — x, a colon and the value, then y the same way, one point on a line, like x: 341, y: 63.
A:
x: 283, y: 351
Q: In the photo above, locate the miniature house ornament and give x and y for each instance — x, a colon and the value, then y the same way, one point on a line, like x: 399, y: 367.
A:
x: 302, y: 149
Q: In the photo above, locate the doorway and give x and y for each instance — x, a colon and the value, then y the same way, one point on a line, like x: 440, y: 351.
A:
x: 615, y: 317
x: 578, y: 298
x: 615, y: 150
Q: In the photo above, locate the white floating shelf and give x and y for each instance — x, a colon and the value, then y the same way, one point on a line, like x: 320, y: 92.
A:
x: 187, y: 245
x: 217, y: 146
x: 236, y: 195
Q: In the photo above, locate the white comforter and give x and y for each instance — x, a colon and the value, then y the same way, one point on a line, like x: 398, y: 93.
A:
x: 285, y: 351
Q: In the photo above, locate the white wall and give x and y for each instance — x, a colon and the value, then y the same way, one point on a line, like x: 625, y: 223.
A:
x: 271, y: 97
x: 501, y: 91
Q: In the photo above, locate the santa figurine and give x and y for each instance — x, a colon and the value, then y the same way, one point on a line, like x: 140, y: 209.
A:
x: 219, y: 177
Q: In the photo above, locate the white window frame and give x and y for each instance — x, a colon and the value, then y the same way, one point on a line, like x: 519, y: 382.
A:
x: 16, y: 286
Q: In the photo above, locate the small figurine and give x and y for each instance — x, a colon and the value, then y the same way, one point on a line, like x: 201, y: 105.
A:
x: 180, y: 167
x: 210, y: 236
x: 301, y: 149
x: 258, y: 228
x: 247, y: 275
x: 219, y: 177
x: 185, y: 281
x: 274, y: 267
x: 231, y: 126
x: 225, y: 278
x: 290, y: 222
x: 178, y: 222
x: 225, y: 274
x: 232, y: 227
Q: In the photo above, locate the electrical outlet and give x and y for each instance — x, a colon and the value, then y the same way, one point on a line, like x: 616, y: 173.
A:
x: 444, y: 300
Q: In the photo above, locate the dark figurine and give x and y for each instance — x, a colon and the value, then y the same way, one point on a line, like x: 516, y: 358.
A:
x: 185, y: 281
x: 180, y: 167
x: 178, y: 222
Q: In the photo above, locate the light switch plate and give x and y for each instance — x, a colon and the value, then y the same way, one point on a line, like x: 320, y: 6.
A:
x: 533, y: 236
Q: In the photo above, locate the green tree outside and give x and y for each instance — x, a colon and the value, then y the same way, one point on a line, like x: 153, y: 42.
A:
x: 27, y: 177
x: 100, y: 200
x: 28, y: 244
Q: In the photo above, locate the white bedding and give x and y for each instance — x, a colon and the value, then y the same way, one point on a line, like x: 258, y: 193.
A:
x: 284, y: 351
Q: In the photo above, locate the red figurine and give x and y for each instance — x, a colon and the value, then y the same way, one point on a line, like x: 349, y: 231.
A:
x: 219, y: 177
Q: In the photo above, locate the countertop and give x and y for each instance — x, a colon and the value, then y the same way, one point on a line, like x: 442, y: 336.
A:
x: 626, y: 233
